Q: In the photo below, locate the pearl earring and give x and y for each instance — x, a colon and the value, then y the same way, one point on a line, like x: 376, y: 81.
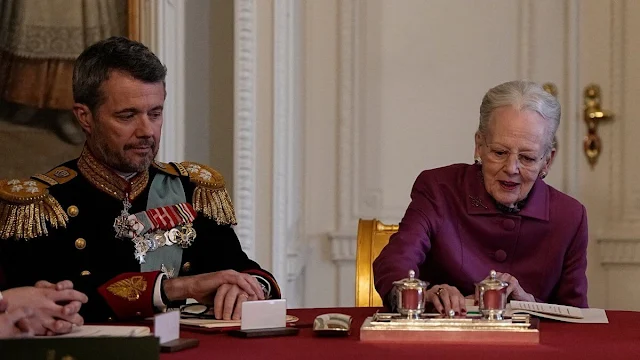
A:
x: 478, y: 161
x: 543, y: 175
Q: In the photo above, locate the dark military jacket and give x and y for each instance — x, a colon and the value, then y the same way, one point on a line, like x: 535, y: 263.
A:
x: 60, y: 226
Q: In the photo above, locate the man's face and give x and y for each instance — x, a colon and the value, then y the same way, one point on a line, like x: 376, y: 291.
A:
x: 124, y: 131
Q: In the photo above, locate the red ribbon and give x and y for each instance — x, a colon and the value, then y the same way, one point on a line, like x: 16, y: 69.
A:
x: 168, y: 217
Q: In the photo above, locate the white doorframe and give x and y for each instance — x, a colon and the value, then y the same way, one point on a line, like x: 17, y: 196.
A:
x: 572, y: 102
x: 287, y: 258
x: 164, y: 32
x: 244, y: 136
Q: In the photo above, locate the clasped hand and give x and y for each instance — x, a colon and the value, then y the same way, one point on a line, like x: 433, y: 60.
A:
x: 226, y: 290
x: 45, y: 309
x: 445, y: 297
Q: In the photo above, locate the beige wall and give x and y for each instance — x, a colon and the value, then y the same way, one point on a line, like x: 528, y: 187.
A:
x: 220, y: 54
x: 209, y: 84
x: 321, y: 123
x: 197, y: 99
x: 264, y: 130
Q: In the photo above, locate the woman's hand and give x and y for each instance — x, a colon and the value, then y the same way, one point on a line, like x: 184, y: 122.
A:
x: 445, y: 298
x: 514, y: 290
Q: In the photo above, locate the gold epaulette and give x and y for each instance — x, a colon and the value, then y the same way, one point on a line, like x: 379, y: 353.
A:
x: 210, y: 195
x: 174, y: 169
x: 26, y: 205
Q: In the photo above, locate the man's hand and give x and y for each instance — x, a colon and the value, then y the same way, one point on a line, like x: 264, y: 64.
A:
x: 70, y: 308
x: 14, y: 323
x: 55, y: 306
x: 227, y: 304
x: 203, y: 287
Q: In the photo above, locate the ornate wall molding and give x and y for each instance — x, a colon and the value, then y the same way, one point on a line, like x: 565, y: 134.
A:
x: 349, y: 42
x: 244, y: 144
x: 347, y: 97
x: 619, y: 251
x: 572, y: 128
x: 283, y: 122
x: 287, y: 262
x: 618, y: 193
x: 343, y: 247
x: 618, y: 241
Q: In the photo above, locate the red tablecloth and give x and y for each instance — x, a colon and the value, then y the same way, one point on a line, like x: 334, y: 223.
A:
x: 620, y: 339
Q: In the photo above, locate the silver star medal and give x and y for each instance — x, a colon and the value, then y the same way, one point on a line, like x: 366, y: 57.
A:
x: 188, y: 235
x: 141, y: 246
x: 124, y: 228
x: 183, y: 236
x: 148, y: 242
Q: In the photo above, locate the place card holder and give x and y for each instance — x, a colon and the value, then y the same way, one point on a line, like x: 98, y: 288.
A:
x: 255, y: 333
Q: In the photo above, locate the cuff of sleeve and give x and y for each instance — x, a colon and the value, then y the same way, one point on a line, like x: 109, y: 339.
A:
x: 130, y: 295
x: 267, y: 282
x: 158, y: 301
x: 264, y: 284
x: 390, y: 301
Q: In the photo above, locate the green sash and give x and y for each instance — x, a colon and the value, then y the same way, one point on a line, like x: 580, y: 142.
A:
x: 165, y: 190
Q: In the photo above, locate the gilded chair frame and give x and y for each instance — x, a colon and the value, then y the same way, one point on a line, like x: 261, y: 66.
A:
x: 133, y: 19
x: 373, y: 236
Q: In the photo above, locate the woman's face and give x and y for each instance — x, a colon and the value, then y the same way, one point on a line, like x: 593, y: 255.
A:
x: 513, y: 153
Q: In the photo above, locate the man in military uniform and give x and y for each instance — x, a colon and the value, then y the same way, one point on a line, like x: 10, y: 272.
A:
x: 136, y: 235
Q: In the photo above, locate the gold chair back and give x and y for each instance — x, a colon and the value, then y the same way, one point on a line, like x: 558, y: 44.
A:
x: 373, y: 235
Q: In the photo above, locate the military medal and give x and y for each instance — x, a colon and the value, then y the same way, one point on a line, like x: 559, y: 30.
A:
x: 121, y: 223
x: 154, y: 228
x: 168, y: 272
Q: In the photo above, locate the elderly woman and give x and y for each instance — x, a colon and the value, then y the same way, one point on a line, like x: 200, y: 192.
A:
x: 465, y: 220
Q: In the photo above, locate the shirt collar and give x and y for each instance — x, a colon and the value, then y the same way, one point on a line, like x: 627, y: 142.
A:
x: 479, y: 201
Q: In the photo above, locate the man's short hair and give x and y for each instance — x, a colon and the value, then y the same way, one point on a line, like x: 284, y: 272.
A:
x: 93, y: 66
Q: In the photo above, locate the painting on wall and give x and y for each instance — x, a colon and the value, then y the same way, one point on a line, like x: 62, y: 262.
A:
x: 39, y: 41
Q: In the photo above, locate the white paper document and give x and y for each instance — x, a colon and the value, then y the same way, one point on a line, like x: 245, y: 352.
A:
x: 105, y: 331
x: 210, y: 323
x: 213, y: 323
x: 558, y: 312
x: 548, y: 309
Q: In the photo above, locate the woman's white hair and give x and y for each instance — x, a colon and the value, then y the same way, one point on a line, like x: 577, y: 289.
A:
x: 522, y: 95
